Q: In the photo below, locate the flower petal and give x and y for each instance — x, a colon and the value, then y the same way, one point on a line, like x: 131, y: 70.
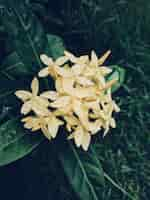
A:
x: 53, y: 126
x: 81, y: 112
x: 61, y: 102
x: 89, y: 71
x: 70, y: 137
x: 46, y: 60
x: 94, y: 105
x: 52, y: 95
x: 64, y: 72
x: 70, y: 56
x: 105, y: 70
x: 67, y: 84
x: 61, y: 60
x: 23, y: 95
x: 116, y: 107
x: 81, y: 92
x: 32, y: 123
x: 86, y: 141
x: 112, y: 123
x: 84, y: 81
x: 26, y: 107
x: 101, y: 80
x: 104, y: 57
x: 39, y: 110
x: 43, y: 102
x: 46, y: 132
x: 35, y: 86
x: 95, y: 126
x: 78, y: 136
x: 58, y: 85
x: 83, y: 59
x: 44, y: 72
x: 71, y: 120
x: 26, y: 119
x: 94, y: 59
x: 77, y: 69
x: 106, y: 129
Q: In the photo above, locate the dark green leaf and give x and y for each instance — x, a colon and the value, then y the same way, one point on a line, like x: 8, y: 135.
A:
x: 15, y: 143
x: 25, y: 34
x: 13, y: 67
x: 83, y: 170
x: 55, y: 46
x: 118, y: 73
x: 26, y: 41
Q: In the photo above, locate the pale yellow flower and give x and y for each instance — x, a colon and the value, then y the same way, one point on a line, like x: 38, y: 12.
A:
x: 81, y: 137
x: 66, y: 71
x: 68, y: 105
x: 95, y: 71
x: 82, y: 112
x: 71, y: 87
x: 78, y: 91
x: 33, y: 102
x: 82, y: 98
x: 49, y: 125
x: 79, y: 94
x: 83, y: 71
x: 81, y: 60
x: 52, y: 95
x: 72, y: 121
x: 53, y: 66
x: 95, y: 61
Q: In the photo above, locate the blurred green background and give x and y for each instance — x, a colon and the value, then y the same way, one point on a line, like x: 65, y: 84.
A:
x: 124, y: 27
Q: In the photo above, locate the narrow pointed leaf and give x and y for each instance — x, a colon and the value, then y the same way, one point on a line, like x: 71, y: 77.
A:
x: 83, y: 171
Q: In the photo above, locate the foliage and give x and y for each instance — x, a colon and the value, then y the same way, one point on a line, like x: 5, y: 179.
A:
x: 15, y: 142
x: 84, y: 25
x: 84, y: 171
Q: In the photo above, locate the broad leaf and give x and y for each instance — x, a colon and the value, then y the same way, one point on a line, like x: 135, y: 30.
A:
x: 13, y: 67
x: 83, y: 170
x: 55, y: 47
x: 26, y: 40
x: 25, y: 34
x: 15, y: 142
x: 118, y: 73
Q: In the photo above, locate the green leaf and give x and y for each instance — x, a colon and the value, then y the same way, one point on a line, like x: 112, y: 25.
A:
x: 13, y: 67
x: 83, y: 170
x: 55, y: 46
x: 25, y: 34
x: 118, y: 73
x: 26, y: 40
x: 15, y: 143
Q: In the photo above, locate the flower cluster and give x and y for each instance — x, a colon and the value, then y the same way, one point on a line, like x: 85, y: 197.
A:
x: 82, y: 100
